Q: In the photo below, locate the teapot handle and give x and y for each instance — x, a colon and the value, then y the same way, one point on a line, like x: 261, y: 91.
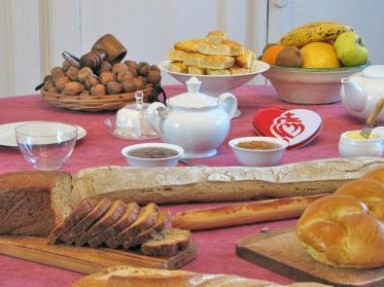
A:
x: 155, y: 115
x: 229, y: 103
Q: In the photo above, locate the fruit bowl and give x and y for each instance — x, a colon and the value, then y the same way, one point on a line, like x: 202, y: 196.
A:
x: 214, y: 85
x: 309, y: 86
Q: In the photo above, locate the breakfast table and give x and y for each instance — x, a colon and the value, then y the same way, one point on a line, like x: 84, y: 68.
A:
x: 216, y: 248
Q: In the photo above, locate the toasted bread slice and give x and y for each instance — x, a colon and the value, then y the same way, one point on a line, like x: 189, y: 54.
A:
x: 177, y: 67
x: 224, y: 48
x: 146, y: 219
x: 168, y: 243
x: 246, y: 60
x: 216, y: 62
x: 195, y: 70
x: 176, y: 55
x: 216, y: 37
x: 129, y: 216
x: 189, y: 46
x: 236, y: 70
x: 218, y: 72
x: 110, y: 217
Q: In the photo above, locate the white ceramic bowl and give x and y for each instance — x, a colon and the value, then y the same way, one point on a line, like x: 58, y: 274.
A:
x: 153, y: 155
x: 215, y: 85
x: 258, y: 157
x: 308, y: 86
x: 352, y: 145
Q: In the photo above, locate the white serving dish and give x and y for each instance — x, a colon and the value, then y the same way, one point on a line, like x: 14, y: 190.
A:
x: 215, y: 85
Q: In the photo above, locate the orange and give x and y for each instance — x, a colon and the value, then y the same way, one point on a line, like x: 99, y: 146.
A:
x: 319, y: 55
x: 270, y: 53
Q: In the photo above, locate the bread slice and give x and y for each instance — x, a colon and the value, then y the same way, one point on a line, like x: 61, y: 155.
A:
x: 168, y: 243
x: 146, y: 218
x: 195, y: 70
x: 161, y: 223
x: 189, y: 46
x: 177, y: 67
x: 216, y: 37
x: 218, y: 72
x: 129, y: 216
x: 33, y: 202
x: 81, y: 227
x: 86, y: 206
x: 176, y: 55
x: 216, y: 62
x: 224, y: 48
x: 113, y: 214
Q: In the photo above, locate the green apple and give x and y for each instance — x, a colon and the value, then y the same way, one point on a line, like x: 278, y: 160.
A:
x: 350, y: 49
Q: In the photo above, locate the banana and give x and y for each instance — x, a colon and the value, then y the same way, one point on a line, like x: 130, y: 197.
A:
x: 313, y: 32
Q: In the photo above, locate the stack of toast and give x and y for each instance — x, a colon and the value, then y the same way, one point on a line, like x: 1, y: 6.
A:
x: 212, y: 55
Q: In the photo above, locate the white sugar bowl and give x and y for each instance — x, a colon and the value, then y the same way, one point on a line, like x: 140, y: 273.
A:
x: 197, y: 122
x: 352, y: 144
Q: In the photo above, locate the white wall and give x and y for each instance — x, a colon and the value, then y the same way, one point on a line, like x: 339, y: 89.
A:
x: 34, y: 33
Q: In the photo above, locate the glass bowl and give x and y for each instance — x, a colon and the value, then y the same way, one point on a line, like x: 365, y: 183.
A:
x: 46, y: 145
x: 309, y: 86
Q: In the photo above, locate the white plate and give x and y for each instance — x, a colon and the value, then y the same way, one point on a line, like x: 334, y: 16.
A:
x: 7, y: 133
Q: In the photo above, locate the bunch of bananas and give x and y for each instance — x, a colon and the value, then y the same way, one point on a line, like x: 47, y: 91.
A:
x: 314, y: 32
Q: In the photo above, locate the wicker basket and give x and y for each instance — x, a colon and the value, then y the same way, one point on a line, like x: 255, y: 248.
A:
x: 96, y: 103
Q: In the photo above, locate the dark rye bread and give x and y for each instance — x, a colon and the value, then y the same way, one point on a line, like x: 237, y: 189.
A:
x: 33, y: 202
x: 112, y: 215
x: 167, y: 243
x: 79, y: 229
x: 162, y: 221
x: 145, y: 219
x: 127, y: 218
x: 86, y: 206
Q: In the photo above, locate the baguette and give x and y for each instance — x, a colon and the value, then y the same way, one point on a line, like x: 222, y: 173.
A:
x: 125, y: 276
x: 218, y: 184
x: 244, y: 213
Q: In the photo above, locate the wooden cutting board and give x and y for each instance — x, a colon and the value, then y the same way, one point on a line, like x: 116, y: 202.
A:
x: 84, y: 259
x: 281, y: 252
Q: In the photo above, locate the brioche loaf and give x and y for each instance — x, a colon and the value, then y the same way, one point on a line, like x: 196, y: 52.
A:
x: 125, y: 276
x: 346, y: 229
x: 33, y: 202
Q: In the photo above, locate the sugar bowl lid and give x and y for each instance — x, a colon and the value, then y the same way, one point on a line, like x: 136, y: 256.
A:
x: 193, y: 98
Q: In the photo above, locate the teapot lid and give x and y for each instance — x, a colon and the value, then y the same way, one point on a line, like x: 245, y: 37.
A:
x: 374, y: 71
x: 193, y: 98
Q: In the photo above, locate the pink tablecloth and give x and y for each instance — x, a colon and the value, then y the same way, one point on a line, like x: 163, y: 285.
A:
x: 217, y: 247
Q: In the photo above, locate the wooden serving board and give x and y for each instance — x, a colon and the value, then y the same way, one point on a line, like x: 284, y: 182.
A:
x: 281, y: 252
x: 84, y: 259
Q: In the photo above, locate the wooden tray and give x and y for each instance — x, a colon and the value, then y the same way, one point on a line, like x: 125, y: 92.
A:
x: 281, y: 252
x: 84, y: 259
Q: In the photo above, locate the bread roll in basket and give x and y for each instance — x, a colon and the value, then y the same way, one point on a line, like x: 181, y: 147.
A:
x: 346, y: 229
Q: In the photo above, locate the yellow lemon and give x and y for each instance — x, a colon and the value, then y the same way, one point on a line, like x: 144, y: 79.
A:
x: 319, y: 55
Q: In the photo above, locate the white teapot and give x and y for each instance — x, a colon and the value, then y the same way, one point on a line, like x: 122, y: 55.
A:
x: 195, y: 121
x: 361, y: 91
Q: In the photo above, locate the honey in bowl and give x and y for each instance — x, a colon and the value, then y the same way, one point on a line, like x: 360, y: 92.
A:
x: 261, y: 145
x: 356, y: 135
x: 153, y: 152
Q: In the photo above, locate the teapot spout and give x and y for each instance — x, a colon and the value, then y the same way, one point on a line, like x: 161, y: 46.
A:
x: 352, y: 94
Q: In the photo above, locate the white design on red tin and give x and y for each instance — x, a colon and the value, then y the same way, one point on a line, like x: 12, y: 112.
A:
x: 287, y: 126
